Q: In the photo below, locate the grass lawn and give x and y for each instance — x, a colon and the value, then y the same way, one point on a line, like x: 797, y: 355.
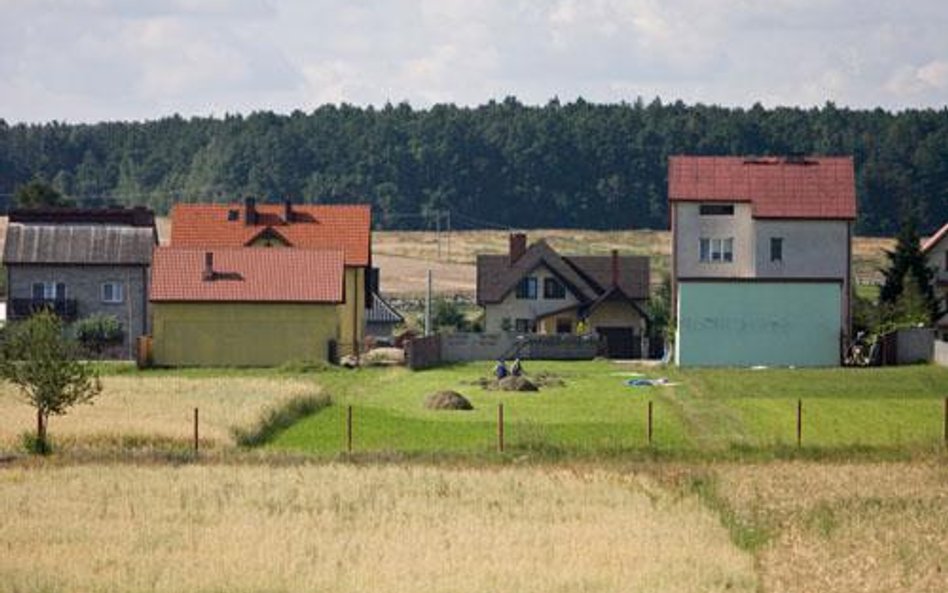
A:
x: 595, y: 412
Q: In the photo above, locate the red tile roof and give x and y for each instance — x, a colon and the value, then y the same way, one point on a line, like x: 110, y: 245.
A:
x: 935, y: 239
x: 346, y: 227
x: 249, y: 275
x: 810, y: 187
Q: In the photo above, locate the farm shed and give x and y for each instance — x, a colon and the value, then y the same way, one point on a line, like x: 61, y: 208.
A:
x: 245, y: 307
x: 753, y: 322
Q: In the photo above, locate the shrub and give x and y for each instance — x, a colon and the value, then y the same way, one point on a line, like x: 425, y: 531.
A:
x: 278, y: 418
x: 97, y: 332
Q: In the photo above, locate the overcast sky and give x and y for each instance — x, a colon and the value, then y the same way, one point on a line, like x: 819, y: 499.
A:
x: 92, y: 60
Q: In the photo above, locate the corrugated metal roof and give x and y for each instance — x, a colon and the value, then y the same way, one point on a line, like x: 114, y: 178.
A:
x: 810, y: 187
x: 78, y: 244
x: 248, y: 275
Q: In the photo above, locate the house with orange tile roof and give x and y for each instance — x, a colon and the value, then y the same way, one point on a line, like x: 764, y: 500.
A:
x: 761, y: 259
x: 935, y: 250
x: 245, y: 307
x: 299, y: 244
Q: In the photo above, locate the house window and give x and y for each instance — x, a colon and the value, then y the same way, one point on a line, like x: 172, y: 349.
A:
x: 716, y: 209
x: 525, y: 326
x: 553, y: 289
x: 527, y: 289
x: 776, y: 249
x: 716, y: 250
x: 112, y: 292
x: 564, y: 325
x: 49, y: 291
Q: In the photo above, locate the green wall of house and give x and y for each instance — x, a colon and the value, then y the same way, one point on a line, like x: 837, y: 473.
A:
x: 242, y: 334
x: 758, y: 323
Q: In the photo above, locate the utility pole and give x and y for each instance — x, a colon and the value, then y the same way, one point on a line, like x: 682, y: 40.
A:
x: 438, y: 231
x: 428, y: 307
x: 448, y: 212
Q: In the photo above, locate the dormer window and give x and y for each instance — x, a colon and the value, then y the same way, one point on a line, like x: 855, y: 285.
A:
x: 233, y: 215
x: 716, y: 209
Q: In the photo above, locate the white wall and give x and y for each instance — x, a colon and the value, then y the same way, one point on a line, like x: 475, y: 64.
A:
x: 515, y: 308
x: 936, y: 259
x: 690, y: 226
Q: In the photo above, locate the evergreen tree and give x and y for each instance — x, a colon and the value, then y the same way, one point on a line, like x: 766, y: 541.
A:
x: 908, y: 272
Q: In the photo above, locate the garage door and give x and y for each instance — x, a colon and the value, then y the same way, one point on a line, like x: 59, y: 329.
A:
x: 621, y: 342
x: 746, y: 323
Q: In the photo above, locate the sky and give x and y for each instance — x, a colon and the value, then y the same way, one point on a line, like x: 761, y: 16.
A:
x: 96, y: 60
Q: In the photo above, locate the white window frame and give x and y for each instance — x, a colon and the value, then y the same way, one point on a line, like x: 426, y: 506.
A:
x: 49, y: 290
x: 115, y: 286
x: 716, y: 250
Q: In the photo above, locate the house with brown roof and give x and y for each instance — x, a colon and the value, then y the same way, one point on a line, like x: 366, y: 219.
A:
x: 251, y: 226
x: 81, y: 262
x: 245, y: 307
x: 761, y: 259
x: 935, y: 250
x: 536, y: 290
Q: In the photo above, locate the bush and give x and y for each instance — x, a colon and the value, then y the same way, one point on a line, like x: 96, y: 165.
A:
x: 33, y: 445
x: 97, y: 332
x: 278, y: 418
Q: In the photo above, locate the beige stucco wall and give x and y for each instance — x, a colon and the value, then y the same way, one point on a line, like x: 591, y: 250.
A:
x: 691, y: 226
x: 352, y: 312
x: 514, y: 308
x: 617, y: 313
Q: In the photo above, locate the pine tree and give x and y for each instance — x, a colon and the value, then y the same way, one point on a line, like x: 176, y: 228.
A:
x: 907, y: 265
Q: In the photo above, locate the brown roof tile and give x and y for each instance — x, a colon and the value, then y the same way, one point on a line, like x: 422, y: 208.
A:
x: 811, y: 187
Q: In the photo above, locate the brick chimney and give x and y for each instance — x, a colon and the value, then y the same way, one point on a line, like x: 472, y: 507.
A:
x: 287, y: 211
x: 518, y: 246
x: 250, y: 211
x: 208, y: 267
x: 615, y: 268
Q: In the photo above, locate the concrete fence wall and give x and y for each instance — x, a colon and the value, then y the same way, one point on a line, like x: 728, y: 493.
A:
x: 464, y: 347
x: 941, y: 353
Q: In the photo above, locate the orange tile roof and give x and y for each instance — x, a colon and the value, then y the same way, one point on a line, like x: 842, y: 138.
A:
x: 346, y: 227
x: 248, y: 275
x: 935, y: 239
x: 810, y: 187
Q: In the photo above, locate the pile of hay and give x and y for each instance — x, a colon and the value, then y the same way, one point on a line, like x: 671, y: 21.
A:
x: 447, y: 400
x: 521, y: 383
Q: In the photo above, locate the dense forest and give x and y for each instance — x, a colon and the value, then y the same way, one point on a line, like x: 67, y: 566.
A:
x: 502, y: 164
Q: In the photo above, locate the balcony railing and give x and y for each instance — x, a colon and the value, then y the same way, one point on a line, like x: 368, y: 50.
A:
x: 67, y: 309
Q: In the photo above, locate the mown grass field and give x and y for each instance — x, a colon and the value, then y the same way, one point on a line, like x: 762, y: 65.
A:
x: 595, y: 412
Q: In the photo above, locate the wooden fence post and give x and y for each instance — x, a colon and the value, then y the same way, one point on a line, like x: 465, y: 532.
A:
x: 648, y: 430
x: 799, y: 423
x: 196, y: 440
x: 500, y: 427
x: 349, y: 430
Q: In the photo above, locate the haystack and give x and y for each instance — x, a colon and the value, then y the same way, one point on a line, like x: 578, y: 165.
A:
x: 447, y: 400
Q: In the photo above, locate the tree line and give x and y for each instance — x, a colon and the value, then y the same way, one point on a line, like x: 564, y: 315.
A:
x: 504, y: 164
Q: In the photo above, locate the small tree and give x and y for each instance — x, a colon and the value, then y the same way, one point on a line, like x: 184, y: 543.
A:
x: 39, y: 194
x: 99, y: 331
x: 44, y: 364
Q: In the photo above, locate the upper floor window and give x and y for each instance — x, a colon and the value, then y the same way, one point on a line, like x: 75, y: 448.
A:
x: 776, y: 249
x: 49, y: 290
x: 553, y: 289
x: 716, y: 250
x: 112, y: 292
x: 527, y: 288
x: 716, y: 209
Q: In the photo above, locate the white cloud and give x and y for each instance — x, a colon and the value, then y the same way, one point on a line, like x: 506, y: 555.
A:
x: 115, y: 59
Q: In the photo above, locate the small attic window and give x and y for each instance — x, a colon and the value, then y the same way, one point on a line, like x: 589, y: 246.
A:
x: 233, y: 215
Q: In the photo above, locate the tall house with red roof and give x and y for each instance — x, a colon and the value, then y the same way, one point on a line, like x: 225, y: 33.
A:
x: 935, y: 249
x: 761, y: 252
x: 240, y: 270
